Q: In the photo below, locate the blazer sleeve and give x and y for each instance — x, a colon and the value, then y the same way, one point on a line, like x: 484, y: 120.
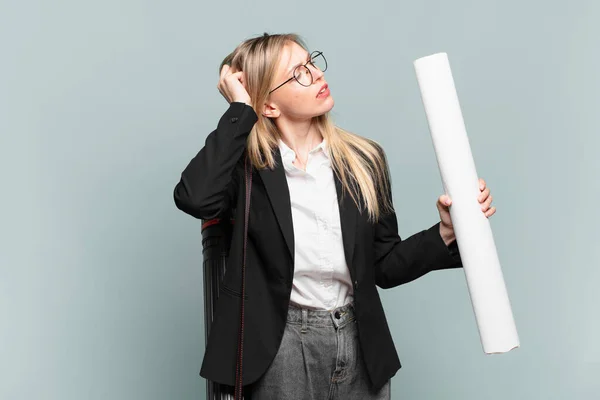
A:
x: 399, y: 261
x: 208, y: 185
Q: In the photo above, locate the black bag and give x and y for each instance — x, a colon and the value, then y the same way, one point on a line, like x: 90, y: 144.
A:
x: 216, y: 239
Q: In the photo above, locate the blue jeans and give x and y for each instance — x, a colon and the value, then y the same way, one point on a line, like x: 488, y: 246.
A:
x: 319, y: 359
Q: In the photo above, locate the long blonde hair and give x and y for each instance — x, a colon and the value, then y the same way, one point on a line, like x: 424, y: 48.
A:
x: 359, y: 162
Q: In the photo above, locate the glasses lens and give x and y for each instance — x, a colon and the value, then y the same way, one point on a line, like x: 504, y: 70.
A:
x: 303, y: 76
x: 319, y: 62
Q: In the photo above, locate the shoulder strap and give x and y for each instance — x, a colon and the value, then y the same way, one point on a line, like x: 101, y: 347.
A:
x: 239, y: 369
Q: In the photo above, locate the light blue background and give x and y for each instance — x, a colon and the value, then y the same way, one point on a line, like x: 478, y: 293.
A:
x: 102, y: 104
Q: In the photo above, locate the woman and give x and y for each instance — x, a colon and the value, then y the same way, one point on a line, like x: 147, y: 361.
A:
x: 322, y: 233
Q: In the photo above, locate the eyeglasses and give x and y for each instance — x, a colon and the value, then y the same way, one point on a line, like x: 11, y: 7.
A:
x: 302, y: 73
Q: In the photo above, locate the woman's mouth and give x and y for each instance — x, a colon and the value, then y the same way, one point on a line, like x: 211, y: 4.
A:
x: 324, y: 92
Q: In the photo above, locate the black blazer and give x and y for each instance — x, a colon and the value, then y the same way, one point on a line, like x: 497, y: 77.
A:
x: 213, y: 184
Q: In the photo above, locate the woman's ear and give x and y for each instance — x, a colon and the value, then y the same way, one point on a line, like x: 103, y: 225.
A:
x: 270, y: 110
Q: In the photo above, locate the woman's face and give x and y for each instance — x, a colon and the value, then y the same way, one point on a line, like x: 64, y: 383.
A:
x: 294, y: 101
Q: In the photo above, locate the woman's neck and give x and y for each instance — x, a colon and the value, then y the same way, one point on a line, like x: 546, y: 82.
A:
x: 301, y: 137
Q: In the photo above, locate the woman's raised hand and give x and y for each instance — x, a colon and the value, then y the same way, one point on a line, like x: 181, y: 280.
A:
x: 231, y: 85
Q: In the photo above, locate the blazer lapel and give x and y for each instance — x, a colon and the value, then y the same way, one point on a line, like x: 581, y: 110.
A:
x: 348, y: 219
x: 279, y: 195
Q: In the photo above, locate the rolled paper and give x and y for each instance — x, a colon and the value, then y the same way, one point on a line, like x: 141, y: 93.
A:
x: 481, y: 264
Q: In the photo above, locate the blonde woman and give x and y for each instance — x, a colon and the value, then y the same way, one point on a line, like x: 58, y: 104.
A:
x: 322, y: 233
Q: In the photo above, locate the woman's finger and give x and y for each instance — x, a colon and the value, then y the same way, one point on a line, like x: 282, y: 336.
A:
x: 481, y: 184
x: 490, y: 212
x: 224, y: 70
x: 223, y: 74
x: 484, y: 195
x: 220, y: 85
x: 486, y: 205
x: 234, y: 76
x: 444, y: 201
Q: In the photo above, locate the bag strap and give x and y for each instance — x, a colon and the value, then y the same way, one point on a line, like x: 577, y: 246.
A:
x: 239, y: 369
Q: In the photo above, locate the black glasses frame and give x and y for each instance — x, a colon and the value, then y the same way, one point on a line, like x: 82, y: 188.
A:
x: 313, y: 55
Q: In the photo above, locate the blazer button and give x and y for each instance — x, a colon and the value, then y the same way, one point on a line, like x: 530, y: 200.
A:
x: 234, y: 120
x: 355, y: 285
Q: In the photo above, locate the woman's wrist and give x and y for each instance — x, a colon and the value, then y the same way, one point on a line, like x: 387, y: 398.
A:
x: 447, y: 234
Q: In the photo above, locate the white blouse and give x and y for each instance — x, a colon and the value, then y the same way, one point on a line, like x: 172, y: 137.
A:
x: 321, y: 276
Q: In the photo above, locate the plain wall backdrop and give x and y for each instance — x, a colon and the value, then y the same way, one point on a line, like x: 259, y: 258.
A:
x: 102, y: 105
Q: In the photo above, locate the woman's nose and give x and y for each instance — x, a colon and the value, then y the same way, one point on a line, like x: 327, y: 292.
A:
x: 317, y: 73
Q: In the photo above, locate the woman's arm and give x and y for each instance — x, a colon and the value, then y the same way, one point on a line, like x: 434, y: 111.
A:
x: 208, y: 185
x: 400, y: 261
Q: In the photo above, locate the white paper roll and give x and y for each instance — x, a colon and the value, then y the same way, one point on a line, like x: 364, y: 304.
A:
x: 474, y: 237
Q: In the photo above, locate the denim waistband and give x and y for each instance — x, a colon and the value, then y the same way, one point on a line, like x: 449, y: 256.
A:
x: 336, y: 318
